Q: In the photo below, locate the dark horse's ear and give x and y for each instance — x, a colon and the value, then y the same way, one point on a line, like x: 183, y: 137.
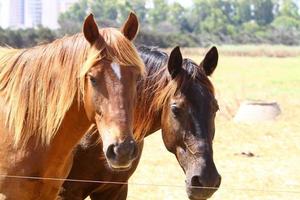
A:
x: 175, y: 62
x: 210, y: 61
x: 90, y: 29
x: 130, y: 27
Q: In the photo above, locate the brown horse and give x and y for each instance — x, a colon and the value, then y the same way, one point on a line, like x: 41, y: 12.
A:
x: 49, y: 97
x: 179, y: 99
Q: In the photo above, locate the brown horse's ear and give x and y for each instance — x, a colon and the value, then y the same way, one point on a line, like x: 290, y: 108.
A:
x: 90, y: 29
x: 175, y: 62
x: 130, y: 27
x: 210, y: 61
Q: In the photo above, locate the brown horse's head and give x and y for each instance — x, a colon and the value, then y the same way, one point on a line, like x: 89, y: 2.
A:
x: 112, y: 68
x: 188, y: 119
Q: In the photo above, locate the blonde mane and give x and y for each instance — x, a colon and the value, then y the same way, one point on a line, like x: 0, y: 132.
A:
x: 39, y: 84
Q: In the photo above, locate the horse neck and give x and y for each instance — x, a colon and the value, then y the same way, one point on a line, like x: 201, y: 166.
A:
x: 60, y: 151
x: 73, y: 127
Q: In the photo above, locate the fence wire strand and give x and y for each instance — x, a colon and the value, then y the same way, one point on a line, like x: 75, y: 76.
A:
x: 152, y: 185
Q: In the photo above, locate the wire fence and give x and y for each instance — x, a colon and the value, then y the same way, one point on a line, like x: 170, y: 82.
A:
x: 297, y: 191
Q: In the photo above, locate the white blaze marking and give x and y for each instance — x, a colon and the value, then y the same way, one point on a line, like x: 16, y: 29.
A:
x: 117, y: 69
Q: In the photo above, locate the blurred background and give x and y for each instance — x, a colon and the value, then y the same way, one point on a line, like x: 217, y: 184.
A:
x: 259, y: 47
x: 164, y: 23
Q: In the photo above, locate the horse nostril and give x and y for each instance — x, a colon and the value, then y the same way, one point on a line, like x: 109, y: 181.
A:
x: 195, y: 182
x: 110, y: 152
x: 218, y: 183
x: 135, y: 149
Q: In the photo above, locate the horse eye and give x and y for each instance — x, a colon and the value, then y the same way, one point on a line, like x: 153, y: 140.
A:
x: 93, y: 80
x: 175, y: 110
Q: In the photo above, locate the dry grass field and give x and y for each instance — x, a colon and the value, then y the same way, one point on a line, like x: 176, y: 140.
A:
x: 274, y: 170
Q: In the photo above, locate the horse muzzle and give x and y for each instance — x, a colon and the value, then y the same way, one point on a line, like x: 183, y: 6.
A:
x: 121, y: 155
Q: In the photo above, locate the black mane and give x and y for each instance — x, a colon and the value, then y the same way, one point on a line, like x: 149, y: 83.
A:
x: 156, y: 64
x: 153, y: 58
x: 156, y: 59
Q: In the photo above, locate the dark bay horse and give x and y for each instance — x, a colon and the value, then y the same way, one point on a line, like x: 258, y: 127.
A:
x: 49, y: 97
x: 176, y: 96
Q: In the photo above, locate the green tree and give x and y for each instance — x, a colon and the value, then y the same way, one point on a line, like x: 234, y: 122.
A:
x: 44, y: 35
x: 289, y: 9
x: 288, y: 16
x: 177, y: 16
x: 286, y: 22
x: 176, y: 12
x: 213, y: 16
x: 71, y: 21
x: 228, y: 21
x: 29, y: 37
x: 158, y: 13
x: 263, y: 12
x: 243, y: 12
x: 199, y: 12
x: 105, y: 9
x: 137, y: 6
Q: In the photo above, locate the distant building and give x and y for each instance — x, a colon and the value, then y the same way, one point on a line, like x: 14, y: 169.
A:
x: 51, y: 10
x: 50, y: 13
x: 5, y: 17
x: 12, y: 13
x: 31, y: 13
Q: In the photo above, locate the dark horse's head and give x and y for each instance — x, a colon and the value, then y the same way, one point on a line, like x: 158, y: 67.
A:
x: 187, y: 121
